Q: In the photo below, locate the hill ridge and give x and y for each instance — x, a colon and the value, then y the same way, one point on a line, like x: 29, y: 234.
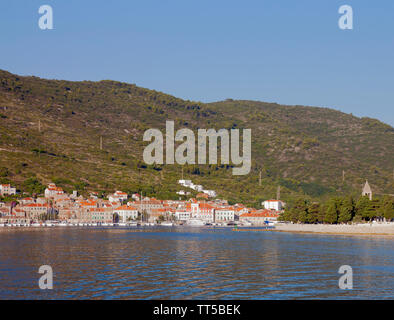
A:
x: 303, y: 149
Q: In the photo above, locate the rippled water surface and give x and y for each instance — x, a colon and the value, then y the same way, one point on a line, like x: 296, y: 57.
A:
x: 192, y: 263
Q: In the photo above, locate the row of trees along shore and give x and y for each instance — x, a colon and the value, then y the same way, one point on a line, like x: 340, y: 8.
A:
x: 340, y: 210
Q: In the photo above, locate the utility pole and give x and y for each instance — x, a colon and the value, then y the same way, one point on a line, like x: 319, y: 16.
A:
x: 101, y: 142
x: 39, y: 125
x: 260, y: 179
x: 343, y: 176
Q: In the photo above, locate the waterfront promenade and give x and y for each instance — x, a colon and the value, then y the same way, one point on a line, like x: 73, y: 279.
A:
x: 366, y: 228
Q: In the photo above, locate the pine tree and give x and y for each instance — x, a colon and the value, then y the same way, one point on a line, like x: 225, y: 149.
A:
x: 299, y: 212
x: 346, y: 210
x: 331, y: 215
x: 362, y: 207
x: 388, y: 208
x: 314, y: 212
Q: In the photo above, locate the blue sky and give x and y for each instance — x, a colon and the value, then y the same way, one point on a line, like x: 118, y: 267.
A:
x: 290, y: 52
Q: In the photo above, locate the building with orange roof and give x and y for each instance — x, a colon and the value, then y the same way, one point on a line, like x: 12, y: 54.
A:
x: 6, y: 189
x: 202, y: 196
x: 118, y: 196
x: 202, y: 211
x: 126, y: 213
x: 52, y: 190
x: 27, y: 201
x: 35, y: 210
x: 259, y: 217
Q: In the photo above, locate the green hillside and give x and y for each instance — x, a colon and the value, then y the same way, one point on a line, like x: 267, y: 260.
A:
x: 50, y: 131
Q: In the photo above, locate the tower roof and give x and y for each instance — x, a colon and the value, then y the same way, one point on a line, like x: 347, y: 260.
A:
x: 367, y: 188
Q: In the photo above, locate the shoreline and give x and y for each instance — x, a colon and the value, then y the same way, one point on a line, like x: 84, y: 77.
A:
x: 359, y: 229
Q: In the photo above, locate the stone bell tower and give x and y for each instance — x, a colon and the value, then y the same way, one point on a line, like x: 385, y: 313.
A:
x: 367, y: 190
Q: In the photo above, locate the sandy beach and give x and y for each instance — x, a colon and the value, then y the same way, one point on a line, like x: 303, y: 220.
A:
x: 373, y: 229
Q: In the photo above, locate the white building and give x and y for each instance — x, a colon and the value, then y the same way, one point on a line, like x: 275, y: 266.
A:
x: 6, y: 189
x: 273, y: 205
x: 202, y: 211
x: 126, y: 213
x: 52, y: 190
x: 136, y: 197
x: 224, y: 214
x: 182, y: 215
x: 185, y: 183
x: 118, y: 196
x: 210, y: 193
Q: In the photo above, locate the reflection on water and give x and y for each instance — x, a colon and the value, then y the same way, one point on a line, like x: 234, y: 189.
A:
x: 192, y: 263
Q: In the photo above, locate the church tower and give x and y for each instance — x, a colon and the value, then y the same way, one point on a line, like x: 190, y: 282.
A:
x: 367, y: 190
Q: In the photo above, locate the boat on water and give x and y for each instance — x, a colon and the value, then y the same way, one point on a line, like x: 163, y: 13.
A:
x: 63, y: 224
x: 2, y: 224
x: 122, y: 224
x: 167, y: 224
x: 104, y: 224
x: 36, y: 224
x: 195, y: 223
x: 132, y: 224
x: 49, y: 224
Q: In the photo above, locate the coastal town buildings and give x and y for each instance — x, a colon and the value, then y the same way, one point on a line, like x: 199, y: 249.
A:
x: 71, y: 208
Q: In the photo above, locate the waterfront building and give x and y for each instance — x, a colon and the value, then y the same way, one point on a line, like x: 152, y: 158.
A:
x: 258, y: 217
x: 101, y: 215
x: 126, y: 213
x: 202, y: 211
x: 35, y: 210
x: 182, y: 215
x: 224, y: 214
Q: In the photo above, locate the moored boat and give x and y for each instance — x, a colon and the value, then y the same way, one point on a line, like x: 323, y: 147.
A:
x: 195, y: 223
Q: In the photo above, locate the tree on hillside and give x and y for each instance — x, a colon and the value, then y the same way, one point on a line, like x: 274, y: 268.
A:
x: 33, y: 186
x: 362, y: 207
x: 331, y: 214
x: 388, y: 209
x: 314, y: 210
x: 346, y: 210
x: 299, y: 212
